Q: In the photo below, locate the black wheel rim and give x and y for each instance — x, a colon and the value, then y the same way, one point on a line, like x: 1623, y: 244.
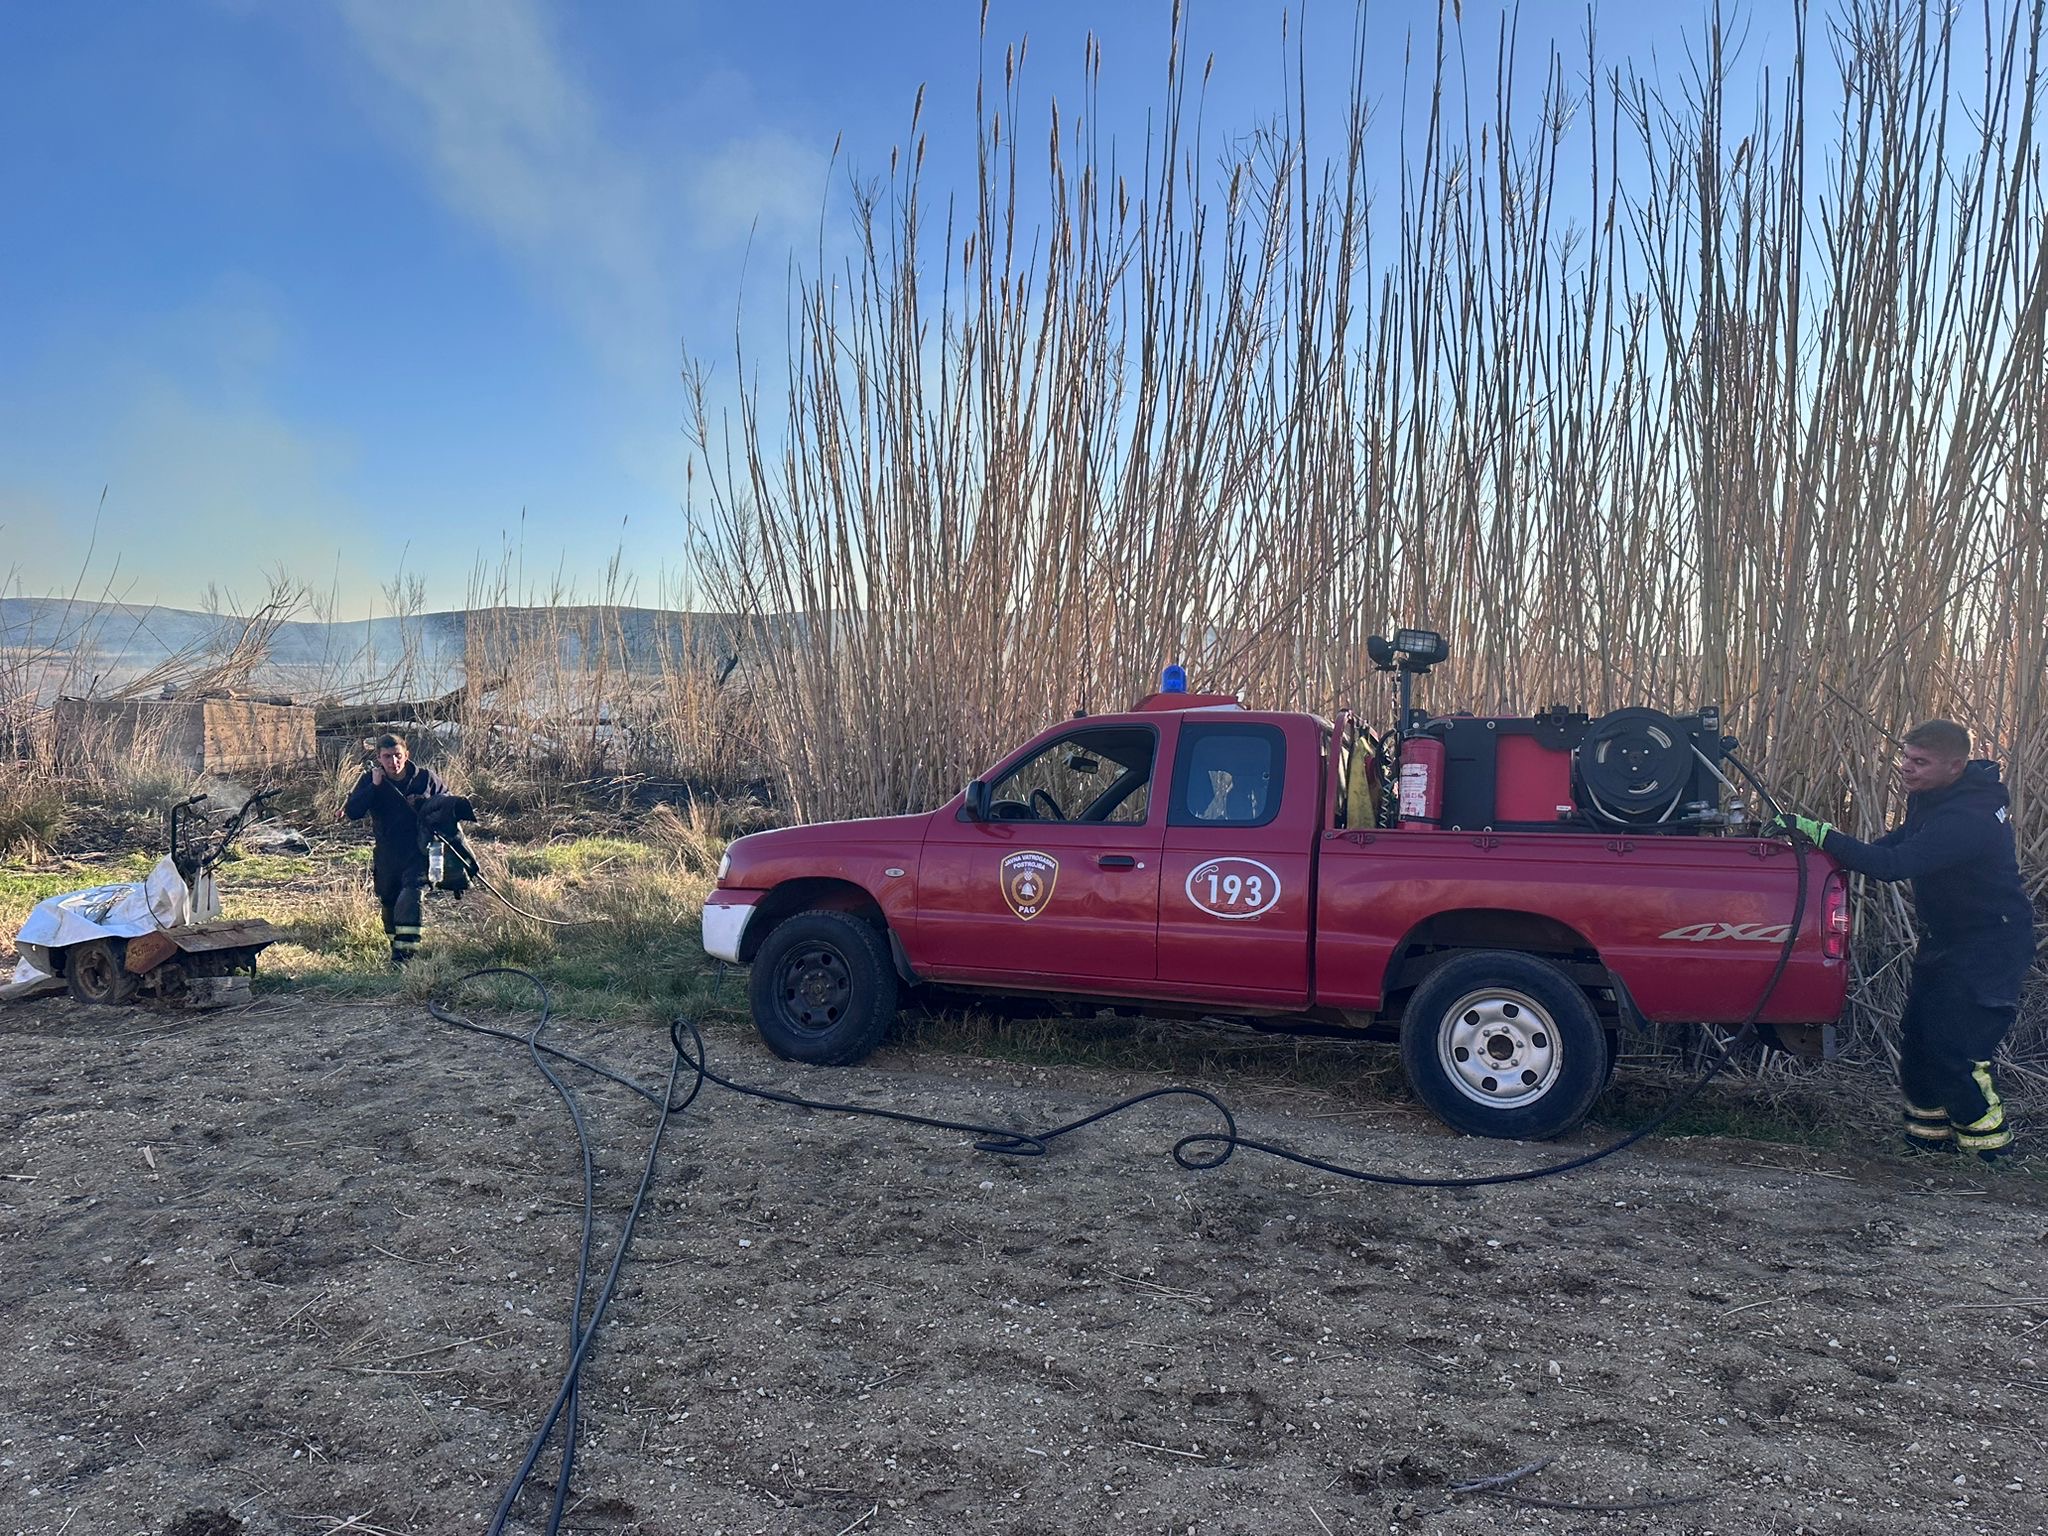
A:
x: 813, y: 987
x: 95, y: 971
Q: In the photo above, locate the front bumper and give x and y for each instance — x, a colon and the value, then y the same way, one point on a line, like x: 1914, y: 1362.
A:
x: 726, y: 915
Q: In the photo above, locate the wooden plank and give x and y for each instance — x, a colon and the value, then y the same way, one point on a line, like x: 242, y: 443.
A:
x: 248, y: 931
x: 243, y: 735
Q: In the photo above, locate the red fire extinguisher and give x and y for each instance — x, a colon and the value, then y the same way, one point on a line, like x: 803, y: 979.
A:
x: 1422, y: 782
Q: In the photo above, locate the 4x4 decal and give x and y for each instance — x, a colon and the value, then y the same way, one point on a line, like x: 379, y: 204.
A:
x: 1752, y: 933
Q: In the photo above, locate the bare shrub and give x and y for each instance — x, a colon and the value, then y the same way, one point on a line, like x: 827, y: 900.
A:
x: 333, y: 783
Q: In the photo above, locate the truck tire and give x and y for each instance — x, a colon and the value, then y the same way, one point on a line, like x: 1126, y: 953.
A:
x: 1504, y: 1044
x: 97, y: 971
x: 823, y: 989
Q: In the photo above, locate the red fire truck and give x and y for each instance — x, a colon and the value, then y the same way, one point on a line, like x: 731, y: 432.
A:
x: 1504, y: 895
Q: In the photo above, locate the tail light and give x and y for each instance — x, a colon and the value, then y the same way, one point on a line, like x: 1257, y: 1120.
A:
x: 1834, y: 918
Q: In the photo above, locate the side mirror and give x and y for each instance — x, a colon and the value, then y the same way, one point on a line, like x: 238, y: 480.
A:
x: 977, y: 800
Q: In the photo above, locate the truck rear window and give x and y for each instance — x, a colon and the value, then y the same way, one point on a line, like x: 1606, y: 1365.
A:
x: 1228, y: 775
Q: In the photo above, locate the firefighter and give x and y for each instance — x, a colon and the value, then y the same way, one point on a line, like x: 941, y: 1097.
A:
x: 1977, y: 935
x: 389, y: 792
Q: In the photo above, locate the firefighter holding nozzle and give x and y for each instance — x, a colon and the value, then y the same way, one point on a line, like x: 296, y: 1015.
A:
x: 390, y: 793
x: 1977, y: 935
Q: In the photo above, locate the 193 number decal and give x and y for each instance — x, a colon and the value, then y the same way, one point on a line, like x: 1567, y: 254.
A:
x: 1233, y: 888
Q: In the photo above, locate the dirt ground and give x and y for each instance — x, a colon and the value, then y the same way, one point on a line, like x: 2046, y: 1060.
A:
x: 304, y: 1269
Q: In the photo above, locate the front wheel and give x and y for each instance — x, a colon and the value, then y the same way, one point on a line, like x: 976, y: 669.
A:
x: 823, y: 989
x: 1503, y: 1044
x: 97, y: 971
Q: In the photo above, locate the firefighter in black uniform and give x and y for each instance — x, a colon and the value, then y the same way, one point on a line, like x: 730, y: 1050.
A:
x: 1977, y: 935
x: 388, y: 793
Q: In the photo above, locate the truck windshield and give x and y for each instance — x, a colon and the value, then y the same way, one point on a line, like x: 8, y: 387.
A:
x: 1100, y: 774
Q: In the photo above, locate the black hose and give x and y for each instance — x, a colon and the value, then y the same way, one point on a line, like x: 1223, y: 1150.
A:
x: 575, y: 1419
x: 1757, y: 784
x: 564, y: 1411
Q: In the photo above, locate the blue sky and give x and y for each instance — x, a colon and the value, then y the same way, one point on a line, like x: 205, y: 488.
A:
x: 382, y: 286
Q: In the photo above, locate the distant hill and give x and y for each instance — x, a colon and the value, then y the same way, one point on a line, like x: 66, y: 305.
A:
x: 99, y: 647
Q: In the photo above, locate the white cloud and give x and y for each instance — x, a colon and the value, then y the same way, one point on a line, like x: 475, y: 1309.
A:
x: 512, y: 141
x: 488, y: 101
x: 770, y: 179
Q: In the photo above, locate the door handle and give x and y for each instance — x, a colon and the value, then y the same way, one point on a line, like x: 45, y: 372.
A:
x: 1116, y: 861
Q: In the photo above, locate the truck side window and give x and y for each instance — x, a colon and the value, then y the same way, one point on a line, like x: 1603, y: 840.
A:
x: 1098, y: 775
x: 1228, y: 776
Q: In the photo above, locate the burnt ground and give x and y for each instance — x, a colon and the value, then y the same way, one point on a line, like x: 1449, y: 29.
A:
x: 303, y: 1268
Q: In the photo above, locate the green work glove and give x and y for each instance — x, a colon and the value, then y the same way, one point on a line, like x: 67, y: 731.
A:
x: 1815, y: 832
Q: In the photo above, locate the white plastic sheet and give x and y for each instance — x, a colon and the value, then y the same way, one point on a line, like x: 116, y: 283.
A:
x: 123, y: 910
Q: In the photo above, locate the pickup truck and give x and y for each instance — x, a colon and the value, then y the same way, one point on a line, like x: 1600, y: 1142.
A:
x: 1190, y: 856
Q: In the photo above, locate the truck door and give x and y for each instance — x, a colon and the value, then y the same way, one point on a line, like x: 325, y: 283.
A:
x: 1061, y: 883
x: 1234, y: 897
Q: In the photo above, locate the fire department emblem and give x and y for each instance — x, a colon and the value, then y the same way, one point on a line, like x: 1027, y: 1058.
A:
x: 1028, y: 879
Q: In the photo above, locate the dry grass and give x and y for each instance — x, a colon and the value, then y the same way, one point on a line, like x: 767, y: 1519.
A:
x: 633, y: 950
x: 1765, y: 429
x: 138, y: 786
x: 332, y: 784
x: 33, y: 813
x: 697, y: 834
x: 335, y: 923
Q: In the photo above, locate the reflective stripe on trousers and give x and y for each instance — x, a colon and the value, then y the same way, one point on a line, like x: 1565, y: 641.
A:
x: 1929, y: 1125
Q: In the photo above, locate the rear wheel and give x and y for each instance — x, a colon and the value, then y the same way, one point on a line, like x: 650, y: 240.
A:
x: 97, y: 971
x: 1503, y: 1044
x: 823, y: 989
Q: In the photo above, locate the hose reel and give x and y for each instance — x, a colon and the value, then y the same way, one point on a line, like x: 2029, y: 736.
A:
x: 1636, y: 766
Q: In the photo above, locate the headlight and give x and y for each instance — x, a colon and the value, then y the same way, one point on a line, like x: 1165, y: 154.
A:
x: 724, y: 865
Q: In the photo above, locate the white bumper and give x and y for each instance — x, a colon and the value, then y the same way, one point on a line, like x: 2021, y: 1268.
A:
x: 724, y: 928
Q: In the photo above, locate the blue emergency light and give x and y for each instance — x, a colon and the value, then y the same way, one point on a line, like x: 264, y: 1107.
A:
x: 1174, y: 679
